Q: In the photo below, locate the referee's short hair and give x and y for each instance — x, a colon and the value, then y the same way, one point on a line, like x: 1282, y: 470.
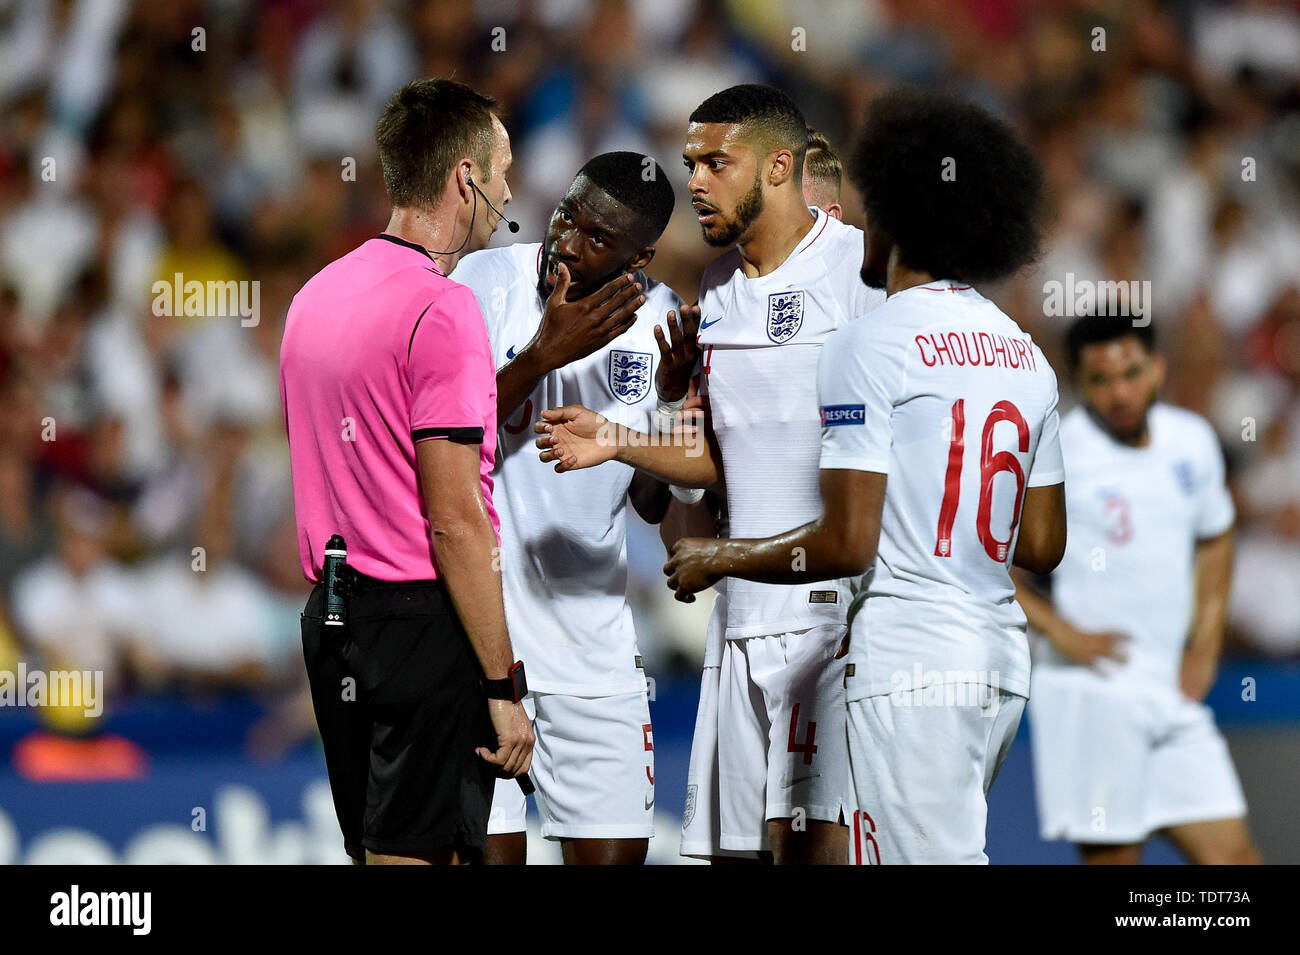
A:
x: 425, y: 129
x: 820, y: 163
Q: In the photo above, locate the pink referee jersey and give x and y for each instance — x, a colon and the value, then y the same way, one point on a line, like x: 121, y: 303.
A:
x: 381, y: 351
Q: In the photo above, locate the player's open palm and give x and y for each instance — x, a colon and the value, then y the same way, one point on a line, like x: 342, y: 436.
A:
x: 575, y: 437
x: 1090, y: 648
x: 514, y: 753
x: 573, y: 330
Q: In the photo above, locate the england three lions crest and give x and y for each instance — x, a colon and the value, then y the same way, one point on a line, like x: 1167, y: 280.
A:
x: 784, y: 315
x: 629, y: 375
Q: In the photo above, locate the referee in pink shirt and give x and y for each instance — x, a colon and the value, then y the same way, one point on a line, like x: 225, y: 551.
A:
x: 389, y: 395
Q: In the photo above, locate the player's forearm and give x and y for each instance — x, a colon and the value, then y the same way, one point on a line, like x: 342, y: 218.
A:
x: 684, y: 460
x: 815, y: 551
x: 1213, y: 580
x: 468, y: 561
x: 516, y: 380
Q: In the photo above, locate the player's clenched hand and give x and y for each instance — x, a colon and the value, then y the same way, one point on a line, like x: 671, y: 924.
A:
x: 1089, y: 648
x: 514, y: 731
x: 690, y: 566
x: 573, y: 330
x: 678, y: 353
x: 575, y: 437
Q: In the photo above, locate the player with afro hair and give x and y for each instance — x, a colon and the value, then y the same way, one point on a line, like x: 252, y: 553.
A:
x: 949, y: 189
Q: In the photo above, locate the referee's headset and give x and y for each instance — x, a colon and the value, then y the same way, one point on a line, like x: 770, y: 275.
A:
x: 511, y: 224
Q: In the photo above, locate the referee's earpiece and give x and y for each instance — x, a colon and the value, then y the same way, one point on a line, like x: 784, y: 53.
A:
x: 469, y: 181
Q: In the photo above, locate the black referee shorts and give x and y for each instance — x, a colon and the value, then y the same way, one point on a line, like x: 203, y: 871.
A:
x: 401, y: 709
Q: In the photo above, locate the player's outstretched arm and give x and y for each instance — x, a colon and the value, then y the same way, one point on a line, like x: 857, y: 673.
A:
x: 575, y: 437
x: 568, y: 331
x: 1041, y: 544
x: 840, y: 543
x: 1204, y: 643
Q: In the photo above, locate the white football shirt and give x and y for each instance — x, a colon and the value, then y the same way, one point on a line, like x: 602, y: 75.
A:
x: 942, y: 392
x: 564, y: 536
x: 1135, y: 515
x: 761, y: 338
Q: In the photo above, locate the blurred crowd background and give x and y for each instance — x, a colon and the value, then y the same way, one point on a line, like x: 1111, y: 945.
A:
x: 146, y: 521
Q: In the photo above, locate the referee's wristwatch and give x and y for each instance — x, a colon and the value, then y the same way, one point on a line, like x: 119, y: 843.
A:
x: 513, y: 688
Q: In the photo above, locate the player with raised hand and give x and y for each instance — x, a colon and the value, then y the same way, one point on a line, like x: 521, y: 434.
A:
x: 940, y: 466
x: 574, y: 319
x: 767, y: 306
x: 702, y: 514
x: 1123, y: 745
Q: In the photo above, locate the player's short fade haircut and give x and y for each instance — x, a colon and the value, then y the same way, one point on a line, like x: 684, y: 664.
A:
x: 769, y: 117
x: 1099, y: 329
x: 425, y: 129
x: 639, y: 183
x: 820, y: 161
x: 953, y: 186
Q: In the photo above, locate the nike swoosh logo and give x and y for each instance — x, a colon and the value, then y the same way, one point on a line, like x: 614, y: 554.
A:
x: 650, y: 802
x: 510, y: 353
x: 704, y: 324
x: 787, y: 782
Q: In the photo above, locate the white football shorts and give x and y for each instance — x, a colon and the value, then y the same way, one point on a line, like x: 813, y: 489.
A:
x: 1117, y: 761
x: 593, y: 766
x: 922, y: 763
x: 701, y: 824
x: 781, y: 744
